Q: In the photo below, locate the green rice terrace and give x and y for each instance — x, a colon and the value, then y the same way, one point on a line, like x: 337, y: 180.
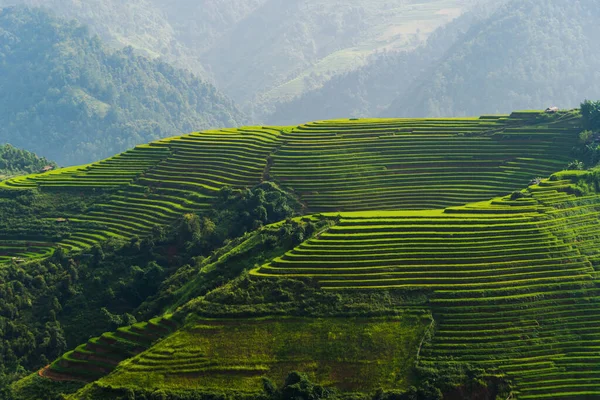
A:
x: 431, y: 261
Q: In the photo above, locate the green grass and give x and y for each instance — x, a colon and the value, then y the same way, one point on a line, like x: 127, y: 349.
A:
x: 351, y: 354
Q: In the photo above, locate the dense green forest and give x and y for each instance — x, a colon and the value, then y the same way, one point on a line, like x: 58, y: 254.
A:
x: 14, y: 161
x: 176, y: 31
x: 527, y: 54
x: 74, y: 101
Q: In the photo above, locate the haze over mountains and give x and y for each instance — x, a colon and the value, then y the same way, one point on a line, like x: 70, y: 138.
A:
x: 527, y: 54
x: 494, y: 59
x: 261, y: 50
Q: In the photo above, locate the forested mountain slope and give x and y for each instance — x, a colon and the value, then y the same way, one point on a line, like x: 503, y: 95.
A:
x: 307, y: 41
x: 491, y: 60
x: 371, y: 89
x: 176, y: 31
x: 527, y: 53
x: 72, y: 100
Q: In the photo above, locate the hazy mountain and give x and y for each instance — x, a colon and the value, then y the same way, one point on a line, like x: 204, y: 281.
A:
x: 66, y: 96
x: 287, y: 47
x: 494, y: 59
x: 260, y: 52
x: 134, y: 23
x: 528, y: 54
x: 370, y: 89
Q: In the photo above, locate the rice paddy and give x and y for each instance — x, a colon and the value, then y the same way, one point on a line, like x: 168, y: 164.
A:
x: 422, y: 204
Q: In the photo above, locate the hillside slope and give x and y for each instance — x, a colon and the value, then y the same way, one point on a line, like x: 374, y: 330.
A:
x: 81, y: 102
x: 311, y: 41
x: 177, y: 32
x: 370, y: 89
x: 380, y: 233
x: 511, y: 283
x: 396, y: 164
x: 527, y: 53
x: 480, y: 296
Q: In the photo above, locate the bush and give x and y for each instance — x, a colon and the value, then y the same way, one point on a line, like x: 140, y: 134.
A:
x: 517, y: 195
x: 535, y: 181
x: 586, y: 136
x: 297, y: 386
x: 575, y: 166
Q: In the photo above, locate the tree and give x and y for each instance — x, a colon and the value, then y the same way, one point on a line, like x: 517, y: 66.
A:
x: 297, y: 386
x: 590, y: 111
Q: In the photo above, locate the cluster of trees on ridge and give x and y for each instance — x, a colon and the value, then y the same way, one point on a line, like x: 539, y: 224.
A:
x: 587, y: 151
x: 15, y: 161
x: 66, y: 96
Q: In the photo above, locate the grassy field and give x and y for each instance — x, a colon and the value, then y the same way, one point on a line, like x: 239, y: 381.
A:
x: 351, y: 354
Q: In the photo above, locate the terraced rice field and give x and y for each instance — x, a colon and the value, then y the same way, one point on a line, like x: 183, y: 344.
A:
x: 22, y: 250
x: 513, y: 283
x: 348, y: 165
x: 348, y: 353
x: 99, y: 356
x: 199, y: 165
x: 417, y: 163
x: 155, y: 184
